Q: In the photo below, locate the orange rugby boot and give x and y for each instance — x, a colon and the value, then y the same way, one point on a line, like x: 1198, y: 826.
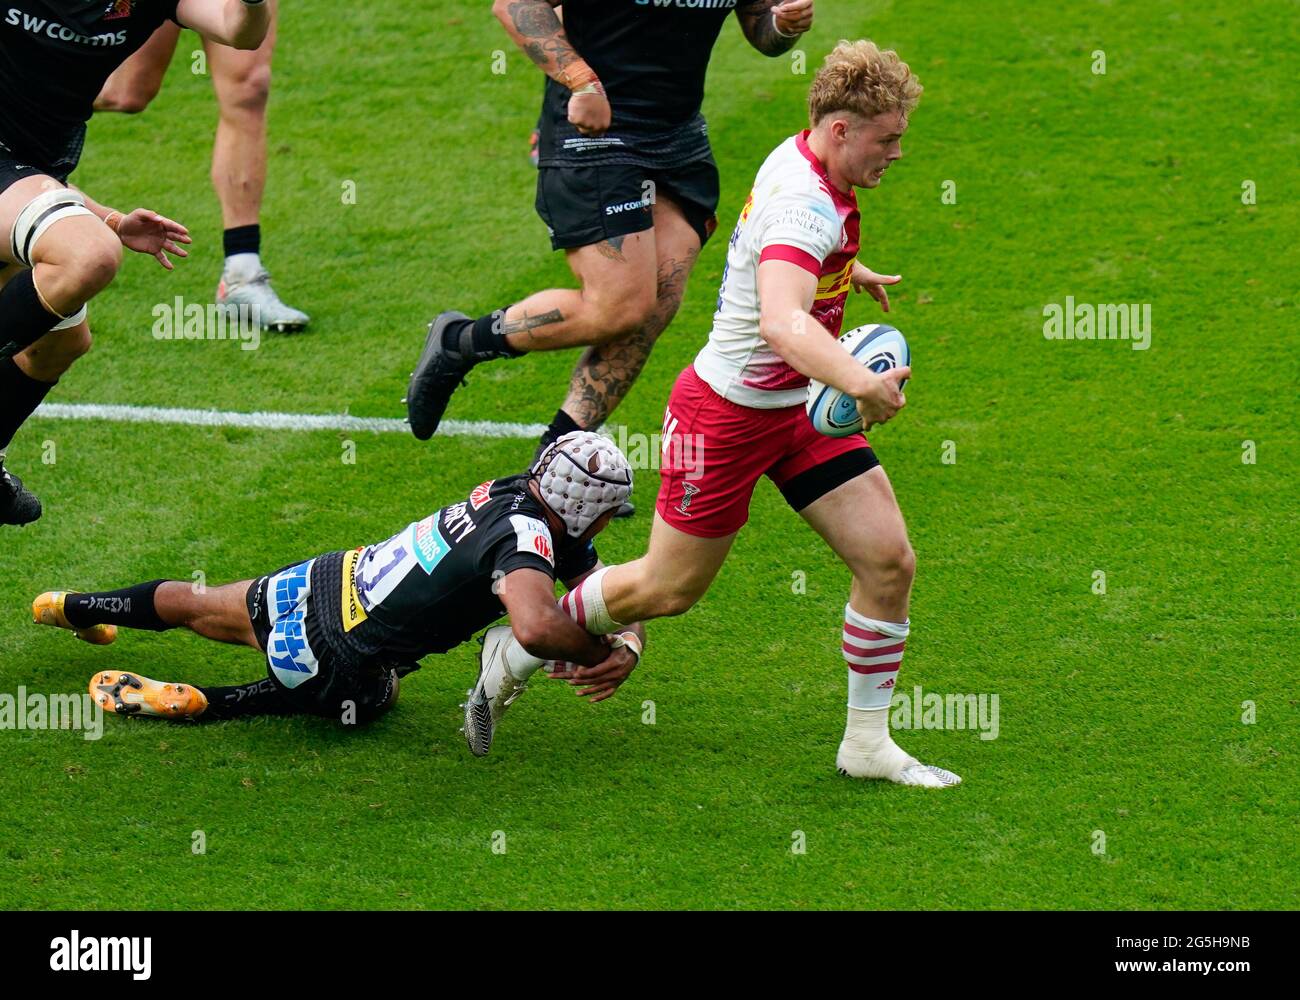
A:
x: 48, y: 610
x: 126, y: 693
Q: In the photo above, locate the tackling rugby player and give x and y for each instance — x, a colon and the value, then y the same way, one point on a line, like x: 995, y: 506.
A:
x: 737, y: 414
x: 62, y: 247
x: 626, y: 185
x: 337, y: 632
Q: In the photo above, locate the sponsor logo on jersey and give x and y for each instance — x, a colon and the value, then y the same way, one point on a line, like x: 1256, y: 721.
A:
x: 60, y: 32
x: 626, y: 206
x: 457, y: 521
x: 690, y: 4
x: 749, y: 206
x: 532, y: 536
x: 479, y: 496
x: 353, y: 613
x: 287, y: 650
x: 430, y: 546
x: 288, y: 589
x: 688, y: 494
x: 835, y: 284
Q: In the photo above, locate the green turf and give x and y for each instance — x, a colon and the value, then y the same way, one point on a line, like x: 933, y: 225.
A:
x: 1119, y: 712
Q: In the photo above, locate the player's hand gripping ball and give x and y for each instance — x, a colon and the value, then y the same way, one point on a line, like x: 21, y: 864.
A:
x: 880, y: 347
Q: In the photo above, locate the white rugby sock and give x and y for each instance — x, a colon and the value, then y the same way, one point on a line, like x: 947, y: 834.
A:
x: 873, y: 650
x: 585, y: 604
x: 868, y: 751
x: 521, y: 663
x: 242, y: 266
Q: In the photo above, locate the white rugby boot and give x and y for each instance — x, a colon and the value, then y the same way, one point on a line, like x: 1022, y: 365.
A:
x: 496, y: 690
x: 252, y: 291
x: 868, y: 751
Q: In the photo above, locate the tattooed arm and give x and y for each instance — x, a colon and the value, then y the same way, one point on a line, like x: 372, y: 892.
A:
x: 535, y: 27
x: 772, y: 26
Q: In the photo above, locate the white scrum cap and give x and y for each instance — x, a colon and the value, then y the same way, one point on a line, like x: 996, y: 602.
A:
x: 581, y: 476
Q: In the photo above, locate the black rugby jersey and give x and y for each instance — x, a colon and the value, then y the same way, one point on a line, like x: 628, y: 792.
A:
x: 434, y: 584
x: 652, y: 57
x: 54, y: 59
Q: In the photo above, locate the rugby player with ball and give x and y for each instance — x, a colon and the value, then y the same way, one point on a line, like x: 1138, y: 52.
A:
x: 740, y: 412
x: 58, y: 247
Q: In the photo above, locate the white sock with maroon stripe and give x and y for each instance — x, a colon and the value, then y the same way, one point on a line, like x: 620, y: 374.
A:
x: 874, y: 651
x: 585, y: 604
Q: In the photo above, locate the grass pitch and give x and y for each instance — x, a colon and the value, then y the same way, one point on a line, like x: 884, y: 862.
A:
x: 1121, y: 714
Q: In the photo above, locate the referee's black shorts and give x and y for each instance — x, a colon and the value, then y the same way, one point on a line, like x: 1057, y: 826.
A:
x: 582, y: 206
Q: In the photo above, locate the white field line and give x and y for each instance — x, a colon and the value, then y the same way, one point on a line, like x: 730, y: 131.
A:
x: 276, y: 421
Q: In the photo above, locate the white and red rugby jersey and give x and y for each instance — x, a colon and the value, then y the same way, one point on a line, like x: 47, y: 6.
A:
x: 793, y: 213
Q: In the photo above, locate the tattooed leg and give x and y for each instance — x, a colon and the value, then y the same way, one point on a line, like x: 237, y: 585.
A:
x: 605, y: 373
x: 617, y: 295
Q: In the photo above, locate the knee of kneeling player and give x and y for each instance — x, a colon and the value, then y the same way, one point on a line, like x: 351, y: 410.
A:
x: 86, y: 270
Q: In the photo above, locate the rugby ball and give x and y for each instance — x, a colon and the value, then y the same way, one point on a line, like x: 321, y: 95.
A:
x: 880, y: 347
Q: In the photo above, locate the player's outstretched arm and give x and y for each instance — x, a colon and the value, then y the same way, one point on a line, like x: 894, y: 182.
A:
x: 241, y: 24
x: 773, y: 26
x: 785, y: 293
x: 540, y: 626
x: 602, y: 681
x: 536, y: 28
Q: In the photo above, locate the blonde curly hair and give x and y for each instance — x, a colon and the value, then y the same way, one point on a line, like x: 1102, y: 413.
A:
x: 859, y: 77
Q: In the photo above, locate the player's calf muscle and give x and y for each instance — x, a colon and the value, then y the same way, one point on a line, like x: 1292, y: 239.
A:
x: 219, y: 613
x: 55, y: 353
x: 641, y: 590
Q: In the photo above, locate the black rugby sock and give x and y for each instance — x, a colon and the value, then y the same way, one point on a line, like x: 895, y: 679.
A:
x: 479, y: 339
x: 239, y: 701
x: 23, y: 317
x: 242, y: 239
x: 560, y: 425
x: 20, y: 394
x: 131, y: 607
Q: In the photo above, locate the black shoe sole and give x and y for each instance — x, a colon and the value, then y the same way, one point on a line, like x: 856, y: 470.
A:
x: 424, y: 413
